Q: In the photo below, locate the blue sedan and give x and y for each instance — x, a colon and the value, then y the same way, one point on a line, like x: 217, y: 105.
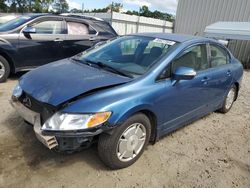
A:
x: 127, y: 92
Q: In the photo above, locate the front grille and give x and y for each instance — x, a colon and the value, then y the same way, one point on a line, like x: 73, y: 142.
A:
x: 45, y: 110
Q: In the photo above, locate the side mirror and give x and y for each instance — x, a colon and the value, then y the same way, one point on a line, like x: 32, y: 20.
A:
x: 29, y: 29
x: 184, y: 73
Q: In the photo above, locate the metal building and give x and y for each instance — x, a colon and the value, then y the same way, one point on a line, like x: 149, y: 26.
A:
x: 194, y: 15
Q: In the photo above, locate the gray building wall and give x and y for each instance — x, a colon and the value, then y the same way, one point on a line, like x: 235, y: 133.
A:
x: 194, y: 15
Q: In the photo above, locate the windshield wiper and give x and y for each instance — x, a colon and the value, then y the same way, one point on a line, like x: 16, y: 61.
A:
x: 81, y: 61
x: 107, y: 67
x: 101, y: 65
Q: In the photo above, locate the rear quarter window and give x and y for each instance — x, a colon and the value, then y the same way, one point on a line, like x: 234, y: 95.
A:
x: 75, y: 28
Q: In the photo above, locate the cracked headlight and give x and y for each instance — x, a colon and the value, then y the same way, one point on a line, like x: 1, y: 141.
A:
x: 66, y: 122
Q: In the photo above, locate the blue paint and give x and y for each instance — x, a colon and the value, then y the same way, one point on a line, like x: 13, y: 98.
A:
x: 173, y: 105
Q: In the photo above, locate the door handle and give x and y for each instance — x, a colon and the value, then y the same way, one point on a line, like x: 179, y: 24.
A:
x: 205, y: 80
x: 228, y: 73
x: 58, y: 40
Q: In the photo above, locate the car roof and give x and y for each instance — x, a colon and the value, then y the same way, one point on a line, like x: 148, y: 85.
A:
x: 100, y: 25
x: 68, y: 15
x: 171, y: 36
x: 33, y: 14
x: 81, y: 16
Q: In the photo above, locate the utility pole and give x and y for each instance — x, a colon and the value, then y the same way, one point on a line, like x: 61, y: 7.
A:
x: 61, y: 11
x: 82, y: 7
x: 112, y: 4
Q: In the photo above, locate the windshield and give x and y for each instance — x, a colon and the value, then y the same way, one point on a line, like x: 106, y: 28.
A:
x: 4, y: 19
x: 132, y: 55
x: 12, y: 24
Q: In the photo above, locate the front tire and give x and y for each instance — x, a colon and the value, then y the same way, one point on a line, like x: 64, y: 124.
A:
x: 126, y: 144
x: 4, y: 69
x: 229, y: 100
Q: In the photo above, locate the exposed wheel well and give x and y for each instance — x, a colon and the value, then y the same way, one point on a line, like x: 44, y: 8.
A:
x: 12, y: 67
x: 237, y: 89
x: 153, y: 121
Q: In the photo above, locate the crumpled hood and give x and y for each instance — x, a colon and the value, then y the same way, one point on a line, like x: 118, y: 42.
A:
x: 57, y: 82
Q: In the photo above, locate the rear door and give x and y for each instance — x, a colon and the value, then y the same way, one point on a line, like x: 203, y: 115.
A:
x: 220, y: 78
x: 45, y: 45
x: 80, y: 36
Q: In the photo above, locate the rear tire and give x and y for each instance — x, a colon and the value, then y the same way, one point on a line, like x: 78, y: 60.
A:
x: 4, y: 69
x: 229, y: 100
x: 126, y: 144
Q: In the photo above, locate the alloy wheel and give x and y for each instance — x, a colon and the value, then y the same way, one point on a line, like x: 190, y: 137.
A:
x: 230, y: 98
x: 2, y: 70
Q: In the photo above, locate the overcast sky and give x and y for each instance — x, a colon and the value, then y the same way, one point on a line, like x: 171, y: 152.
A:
x: 161, y: 5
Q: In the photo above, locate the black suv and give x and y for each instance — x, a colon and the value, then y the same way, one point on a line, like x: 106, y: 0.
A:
x: 35, y: 39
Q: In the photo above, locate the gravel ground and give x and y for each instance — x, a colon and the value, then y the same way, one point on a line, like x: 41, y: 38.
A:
x: 212, y: 152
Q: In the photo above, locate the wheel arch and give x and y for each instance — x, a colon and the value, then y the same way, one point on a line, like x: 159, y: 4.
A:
x: 9, y: 60
x: 147, y: 112
x: 153, y: 121
x: 237, y: 89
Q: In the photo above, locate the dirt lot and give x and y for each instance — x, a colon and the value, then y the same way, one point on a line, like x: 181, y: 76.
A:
x: 212, y: 152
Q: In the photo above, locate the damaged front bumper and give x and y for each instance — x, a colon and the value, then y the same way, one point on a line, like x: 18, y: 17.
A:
x: 62, y: 141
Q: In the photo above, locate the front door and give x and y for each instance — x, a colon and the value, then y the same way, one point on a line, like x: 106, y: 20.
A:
x: 187, y: 99
x: 43, y: 46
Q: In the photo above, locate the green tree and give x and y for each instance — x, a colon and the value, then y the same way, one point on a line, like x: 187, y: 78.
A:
x: 3, y: 6
x: 75, y: 10
x: 61, y: 6
x: 36, y: 6
x: 13, y: 7
x: 20, y: 6
x: 144, y: 11
x: 132, y: 12
x: 45, y: 5
x: 116, y: 7
x: 100, y: 10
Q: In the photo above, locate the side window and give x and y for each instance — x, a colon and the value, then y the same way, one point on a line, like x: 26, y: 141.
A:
x: 48, y: 27
x: 75, y: 28
x: 194, y: 57
x: 165, y: 74
x: 218, y: 56
x: 129, y: 47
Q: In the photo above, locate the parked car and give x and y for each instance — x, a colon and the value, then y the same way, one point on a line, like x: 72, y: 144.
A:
x: 5, y: 18
x: 127, y: 92
x: 36, y: 39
